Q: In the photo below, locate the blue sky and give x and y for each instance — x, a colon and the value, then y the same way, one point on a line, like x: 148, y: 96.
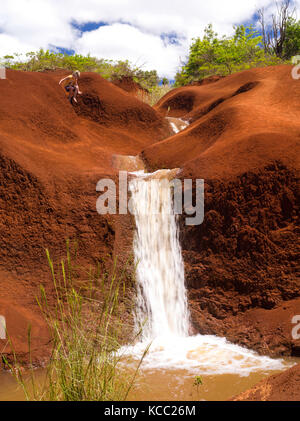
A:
x: 154, y: 35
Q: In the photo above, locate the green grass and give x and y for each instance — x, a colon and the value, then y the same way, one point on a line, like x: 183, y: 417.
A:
x: 87, y: 330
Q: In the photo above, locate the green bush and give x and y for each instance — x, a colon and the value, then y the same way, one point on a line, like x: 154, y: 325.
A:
x: 214, y: 55
x: 45, y: 60
x: 291, y: 44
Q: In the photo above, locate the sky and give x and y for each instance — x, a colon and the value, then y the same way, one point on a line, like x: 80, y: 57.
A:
x: 152, y: 34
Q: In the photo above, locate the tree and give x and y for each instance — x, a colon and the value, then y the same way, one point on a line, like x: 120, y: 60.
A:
x: 147, y: 78
x: 221, y: 55
x: 274, y: 36
x: 291, y: 45
x: 50, y: 60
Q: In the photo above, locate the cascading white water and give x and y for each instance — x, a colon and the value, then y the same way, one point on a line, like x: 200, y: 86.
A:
x: 161, y: 299
x: 161, y: 308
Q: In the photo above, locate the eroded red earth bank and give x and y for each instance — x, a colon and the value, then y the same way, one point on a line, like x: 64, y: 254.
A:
x: 243, y: 140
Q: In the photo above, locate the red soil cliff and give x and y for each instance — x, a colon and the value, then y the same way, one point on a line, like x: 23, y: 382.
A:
x: 242, y: 263
x: 243, y: 140
x: 51, y: 157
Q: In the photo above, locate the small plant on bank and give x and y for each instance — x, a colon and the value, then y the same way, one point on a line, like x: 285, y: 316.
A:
x: 197, y: 383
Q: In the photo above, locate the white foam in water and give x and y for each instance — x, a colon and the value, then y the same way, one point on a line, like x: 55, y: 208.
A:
x: 162, y: 306
x: 201, y: 354
x: 177, y: 124
x: 175, y: 129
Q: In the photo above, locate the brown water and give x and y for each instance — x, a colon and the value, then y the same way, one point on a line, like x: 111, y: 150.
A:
x: 160, y: 384
x: 172, y: 385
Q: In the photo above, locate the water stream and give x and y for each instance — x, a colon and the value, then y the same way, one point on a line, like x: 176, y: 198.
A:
x: 161, y: 297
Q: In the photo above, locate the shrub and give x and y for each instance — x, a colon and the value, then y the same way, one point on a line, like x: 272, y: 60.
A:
x: 214, y: 55
x: 45, y: 60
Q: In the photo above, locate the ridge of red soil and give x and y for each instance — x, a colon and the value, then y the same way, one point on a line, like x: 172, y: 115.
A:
x: 129, y: 85
x: 134, y: 88
x: 279, y: 387
x: 242, y: 269
x: 239, y: 123
x: 51, y: 157
x: 242, y: 263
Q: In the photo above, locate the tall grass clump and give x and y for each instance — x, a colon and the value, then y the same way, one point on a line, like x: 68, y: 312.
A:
x: 84, y: 317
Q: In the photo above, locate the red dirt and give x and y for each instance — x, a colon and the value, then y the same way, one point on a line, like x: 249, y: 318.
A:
x: 242, y: 269
x: 129, y: 85
x: 242, y: 263
x: 51, y: 157
x: 279, y: 387
x: 207, y: 80
x: 239, y: 123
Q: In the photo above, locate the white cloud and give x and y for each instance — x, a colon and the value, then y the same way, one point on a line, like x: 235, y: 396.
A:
x: 122, y: 41
x: 10, y: 44
x: 134, y: 30
x: 33, y: 23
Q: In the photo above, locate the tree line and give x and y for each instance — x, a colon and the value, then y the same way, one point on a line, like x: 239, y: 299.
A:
x: 275, y: 43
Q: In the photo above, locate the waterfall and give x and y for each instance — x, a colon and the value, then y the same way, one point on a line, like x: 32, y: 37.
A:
x: 161, y: 305
x: 161, y: 296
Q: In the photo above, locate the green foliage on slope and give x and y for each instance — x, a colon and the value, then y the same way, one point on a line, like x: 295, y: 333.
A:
x: 215, y: 55
x: 45, y: 60
x: 291, y: 45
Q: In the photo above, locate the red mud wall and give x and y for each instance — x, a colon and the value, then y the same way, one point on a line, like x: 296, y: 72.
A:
x: 51, y: 157
x: 243, y: 140
x: 242, y: 263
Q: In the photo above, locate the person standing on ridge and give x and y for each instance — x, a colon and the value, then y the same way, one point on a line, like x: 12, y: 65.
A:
x: 71, y: 85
